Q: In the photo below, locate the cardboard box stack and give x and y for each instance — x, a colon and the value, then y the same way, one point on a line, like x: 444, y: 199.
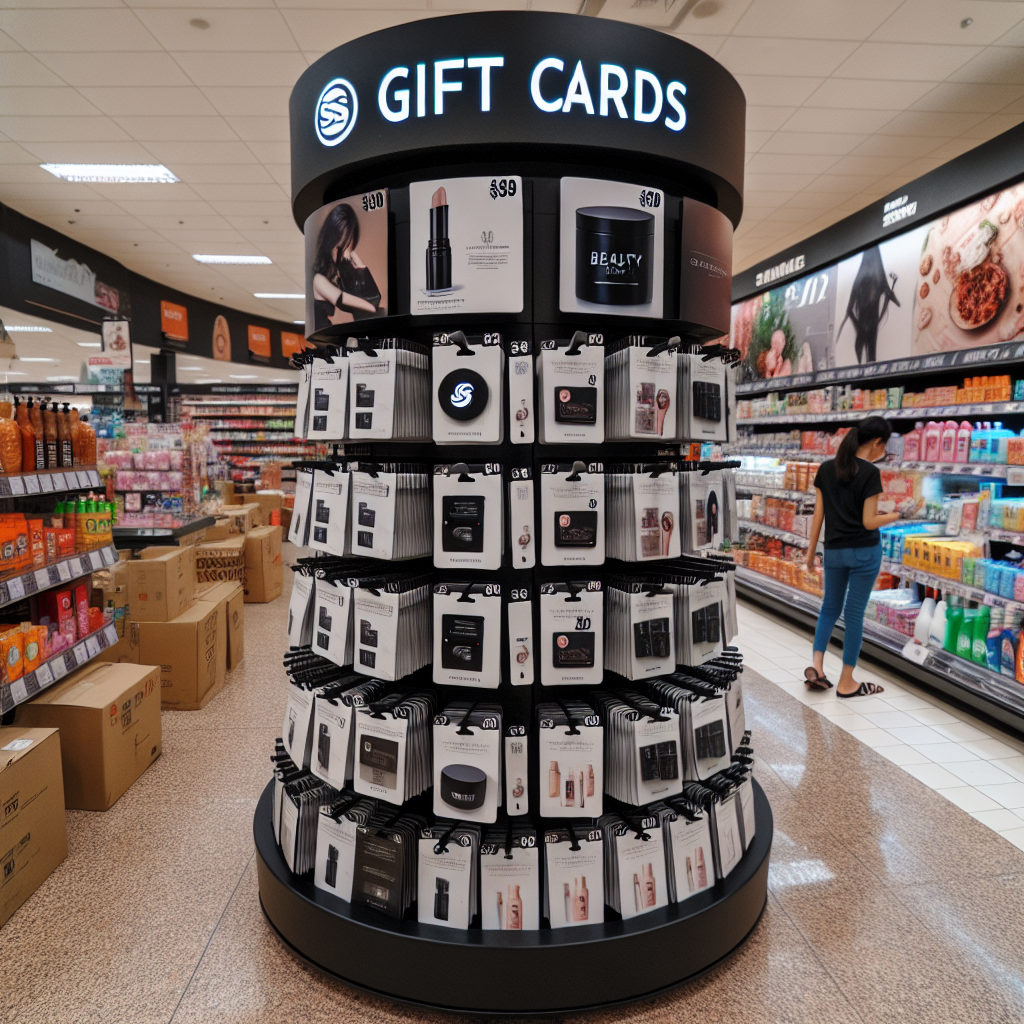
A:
x: 221, y: 561
x: 264, y: 572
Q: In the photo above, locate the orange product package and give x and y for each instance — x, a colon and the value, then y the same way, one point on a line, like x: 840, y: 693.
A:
x: 12, y: 650
x: 34, y: 646
x: 36, y: 542
x: 8, y: 549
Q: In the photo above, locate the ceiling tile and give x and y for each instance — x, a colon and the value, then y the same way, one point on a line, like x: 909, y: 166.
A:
x: 768, y: 118
x: 44, y: 102
x: 271, y: 152
x: 231, y: 30
x: 778, y: 90
x: 223, y: 172
x: 7, y: 44
x: 126, y: 101
x: 75, y: 30
x: 749, y: 56
x: 707, y: 44
x: 907, y: 146
x: 112, y: 68
x: 778, y: 181
x: 173, y: 193
x: 90, y: 152
x: 756, y: 139
x: 147, y: 208
x: 247, y: 101
x: 822, y: 143
x: 823, y: 119
x: 995, y: 125
x: 909, y: 61
x: 927, y: 122
x: 315, y: 32
x: 938, y: 21
x: 834, y: 181
x: 254, y: 193
x: 876, y: 165
x: 952, y: 148
x: 785, y: 163
x: 867, y: 94
x: 260, y: 129
x: 178, y: 129
x: 808, y: 200
x: 712, y: 19
x: 960, y: 97
x: 60, y: 192
x: 242, y: 69
x: 62, y: 129
x: 282, y: 174
x: 24, y: 69
x: 1000, y: 65
x: 12, y: 153
x: 1015, y: 37
x: 201, y: 153
x: 814, y: 19
x: 212, y: 5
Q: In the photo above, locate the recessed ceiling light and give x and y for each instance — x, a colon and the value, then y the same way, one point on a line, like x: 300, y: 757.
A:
x: 36, y: 359
x: 262, y: 260
x: 194, y: 369
x: 142, y: 362
x: 28, y: 329
x: 61, y: 378
x: 126, y: 173
x: 15, y: 373
x: 244, y: 376
x: 209, y: 380
x: 279, y: 295
x: 302, y: 322
x: 89, y: 344
x: 967, y: 23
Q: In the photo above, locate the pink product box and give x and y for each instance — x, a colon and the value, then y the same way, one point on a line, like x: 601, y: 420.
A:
x: 118, y: 459
x: 148, y: 480
x: 153, y: 461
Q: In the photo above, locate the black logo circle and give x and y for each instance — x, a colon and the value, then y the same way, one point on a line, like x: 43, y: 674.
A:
x: 463, y: 394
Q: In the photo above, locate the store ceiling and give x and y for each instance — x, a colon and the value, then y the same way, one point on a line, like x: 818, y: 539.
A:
x: 848, y: 99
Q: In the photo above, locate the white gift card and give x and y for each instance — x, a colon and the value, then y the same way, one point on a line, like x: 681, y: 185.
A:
x: 298, y: 531
x: 335, y: 855
x: 652, y: 387
x: 653, y: 650
x: 510, y: 886
x: 521, y: 656
x: 300, y: 610
x: 521, y: 516
x: 727, y: 826
x: 710, y: 732
x: 706, y: 398
x: 692, y: 858
x: 373, y: 514
x: 297, y: 729
x: 301, y: 424
x: 328, y: 526
x: 571, y: 390
x: 467, y: 635
x: 657, y: 756
x: 380, y: 753
x: 467, y: 768
x: 332, y: 737
x: 444, y: 881
x: 467, y: 384
x: 522, y: 417
x: 643, y: 886
x: 745, y: 795
x: 375, y: 622
x: 656, y: 507
x: 328, y: 398
x: 571, y: 759
x: 574, y: 893
x: 571, y: 647
x: 517, y: 788
x: 332, y: 621
x: 572, y: 513
x: 468, y: 517
x: 371, y: 393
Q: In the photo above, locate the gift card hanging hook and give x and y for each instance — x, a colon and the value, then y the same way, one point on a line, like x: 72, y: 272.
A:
x: 459, y: 338
x: 577, y: 468
x: 579, y: 339
x: 441, y: 846
x: 574, y: 843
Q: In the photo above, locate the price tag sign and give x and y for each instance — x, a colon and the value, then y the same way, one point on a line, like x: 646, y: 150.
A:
x: 94, y: 478
x: 92, y: 646
x: 15, y: 589
x: 110, y: 632
x: 46, y: 483
x: 77, y: 569
x: 32, y: 485
x: 17, y: 484
x: 60, y: 481
x: 915, y: 652
x: 44, y: 674
x: 109, y: 556
x: 81, y: 479
x: 1015, y: 476
x: 54, y: 573
x: 94, y: 560
x: 5, y: 486
x: 991, y: 600
x: 58, y: 666
x: 71, y: 659
x: 64, y: 571
x: 42, y: 578
x: 101, y: 639
x: 31, y: 684
x: 18, y: 691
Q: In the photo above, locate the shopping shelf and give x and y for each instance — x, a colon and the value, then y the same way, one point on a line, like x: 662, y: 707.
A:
x: 944, y: 412
x: 774, y: 531
x: 49, y: 481
x: 17, y: 588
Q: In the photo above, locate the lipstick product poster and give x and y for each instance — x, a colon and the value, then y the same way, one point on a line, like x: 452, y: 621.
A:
x: 347, y: 261
x: 466, y: 245
x: 611, y: 248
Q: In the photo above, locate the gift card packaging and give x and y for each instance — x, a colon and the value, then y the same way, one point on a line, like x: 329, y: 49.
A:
x: 467, y: 634
x: 334, y: 709
x: 643, y: 751
x: 385, y: 864
x: 300, y: 610
x: 521, y: 412
x: 336, y: 842
x: 301, y: 424
x: 297, y: 731
x: 468, y: 382
x: 390, y: 510
x: 298, y: 531
x: 333, y: 635
x: 571, y: 644
x: 521, y: 654
x: 571, y: 748
x: 300, y: 811
x: 634, y: 865
x: 329, y: 509
x: 640, y: 635
x: 468, y: 516
x: 328, y: 398
x: 700, y: 500
x: 517, y: 763
x: 574, y: 877
x: 572, y: 513
x: 467, y: 761
x: 688, y: 852
x: 449, y: 875
x: 389, y: 390
x: 570, y: 389
x: 640, y: 389
x: 728, y: 841
x: 391, y: 622
x: 702, y: 385
x: 510, y: 879
x: 642, y: 512
x: 703, y: 723
x: 521, y: 515
x: 700, y: 619
x: 392, y: 758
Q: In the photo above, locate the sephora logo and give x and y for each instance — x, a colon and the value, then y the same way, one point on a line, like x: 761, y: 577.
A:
x: 336, y: 111
x: 462, y: 395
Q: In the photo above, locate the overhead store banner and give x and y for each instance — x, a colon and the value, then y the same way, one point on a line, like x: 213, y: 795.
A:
x: 72, y: 278
x: 259, y: 342
x: 174, y: 322
x: 292, y: 344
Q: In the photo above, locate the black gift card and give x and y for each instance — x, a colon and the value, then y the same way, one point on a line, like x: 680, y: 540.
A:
x: 651, y: 638
x: 707, y: 400
x: 367, y: 516
x: 575, y: 529
x: 367, y: 635
x: 323, y: 511
x: 377, y: 871
x: 706, y: 625
x: 323, y: 746
x: 462, y: 522
x: 462, y: 642
x: 321, y: 400
x: 320, y: 534
x: 659, y: 761
x: 364, y: 539
x: 320, y: 423
x: 364, y: 397
x: 463, y: 394
x: 379, y: 753
x: 710, y: 740
x: 572, y: 650
x: 575, y: 405
x: 323, y: 619
x: 364, y: 421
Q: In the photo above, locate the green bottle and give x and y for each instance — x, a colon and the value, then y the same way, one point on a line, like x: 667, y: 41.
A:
x: 979, y: 643
x: 965, y: 639
x: 954, y: 623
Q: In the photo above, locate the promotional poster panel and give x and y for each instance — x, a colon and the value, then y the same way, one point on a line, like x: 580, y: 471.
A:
x: 466, y: 245
x: 611, y: 248
x: 875, y: 300
x: 347, y: 261
x: 788, y: 329
x: 969, y: 277
x: 259, y: 342
x: 222, y: 339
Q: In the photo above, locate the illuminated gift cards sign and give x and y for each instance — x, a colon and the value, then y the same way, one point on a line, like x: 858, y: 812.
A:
x: 293, y: 344
x: 173, y: 322
x: 259, y: 342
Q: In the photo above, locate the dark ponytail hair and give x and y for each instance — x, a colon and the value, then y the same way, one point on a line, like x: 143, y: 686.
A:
x: 861, y: 433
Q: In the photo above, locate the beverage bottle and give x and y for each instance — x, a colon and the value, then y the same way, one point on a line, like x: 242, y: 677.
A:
x: 75, y: 425
x: 994, y: 639
x: 28, y: 443
x: 947, y: 443
x: 36, y: 419
x: 924, y: 619
x: 67, y: 453
x: 88, y: 440
x: 979, y: 641
x: 50, y: 436
x: 963, y: 443
x: 965, y: 637
x: 939, y: 625
x: 954, y: 623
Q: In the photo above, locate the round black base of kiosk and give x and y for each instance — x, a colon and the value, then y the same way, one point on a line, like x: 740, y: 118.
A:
x: 507, y: 973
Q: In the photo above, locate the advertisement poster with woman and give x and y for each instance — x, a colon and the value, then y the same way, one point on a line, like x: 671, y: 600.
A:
x: 347, y: 261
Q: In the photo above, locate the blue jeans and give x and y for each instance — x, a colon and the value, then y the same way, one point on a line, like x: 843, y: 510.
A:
x: 850, y: 574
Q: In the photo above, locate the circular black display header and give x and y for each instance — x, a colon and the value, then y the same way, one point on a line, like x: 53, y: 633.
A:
x: 515, y: 85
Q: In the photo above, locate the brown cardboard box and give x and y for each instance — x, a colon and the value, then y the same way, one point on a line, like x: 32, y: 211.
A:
x: 191, y: 651
x: 221, y: 530
x: 221, y: 561
x: 126, y: 650
x: 268, y: 501
x: 264, y: 574
x: 161, y: 583
x: 109, y: 722
x: 230, y: 597
x: 33, y: 833
x: 245, y: 517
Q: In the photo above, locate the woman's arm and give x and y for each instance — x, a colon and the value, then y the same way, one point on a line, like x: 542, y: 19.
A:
x: 819, y: 518
x: 873, y: 519
x: 324, y: 289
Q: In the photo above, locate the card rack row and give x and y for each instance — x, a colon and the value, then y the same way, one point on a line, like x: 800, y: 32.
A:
x: 576, y: 390
x: 485, y: 515
x: 480, y: 634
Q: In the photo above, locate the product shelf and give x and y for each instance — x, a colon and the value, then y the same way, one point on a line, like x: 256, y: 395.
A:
x: 943, y: 412
x: 49, y: 481
x: 773, y: 531
x: 776, y: 492
x: 67, y: 570
x: 54, y: 669
x: 996, y: 470
x: 124, y: 536
x: 949, y: 586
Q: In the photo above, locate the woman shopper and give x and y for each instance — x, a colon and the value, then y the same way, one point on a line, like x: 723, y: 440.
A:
x: 847, y: 489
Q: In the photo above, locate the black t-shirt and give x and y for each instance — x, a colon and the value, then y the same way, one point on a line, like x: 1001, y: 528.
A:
x: 844, y: 504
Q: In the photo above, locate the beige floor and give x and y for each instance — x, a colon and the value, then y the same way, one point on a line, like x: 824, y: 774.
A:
x: 887, y: 903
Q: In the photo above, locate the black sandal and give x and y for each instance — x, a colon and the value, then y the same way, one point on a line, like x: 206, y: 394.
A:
x: 814, y: 680
x: 864, y: 690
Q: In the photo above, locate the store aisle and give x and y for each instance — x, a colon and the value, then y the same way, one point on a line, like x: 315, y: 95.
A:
x: 973, y: 763
x: 887, y: 902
